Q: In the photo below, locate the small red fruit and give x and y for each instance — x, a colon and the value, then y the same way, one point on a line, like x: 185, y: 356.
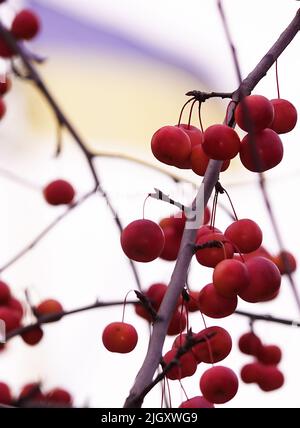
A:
x: 219, y: 384
x: 220, y: 142
x: 245, y: 234
x: 186, y: 366
x: 230, y: 277
x: 212, y: 304
x: 195, y: 136
x: 196, y: 403
x: 199, y: 161
x: 5, y: 394
x: 4, y: 293
x: 270, y: 378
x: 49, y: 306
x: 285, y: 116
x: 213, y: 255
x: 59, y: 396
x: 59, y: 192
x: 269, y: 355
x: 10, y: 317
x: 192, y: 304
x: 215, y: 348
x: 16, y: 306
x: 262, y: 151
x: 177, y: 323
x: 171, y: 145
x: 286, y: 262
x: 119, y: 337
x: 254, y: 113
x: 5, y: 86
x: 250, y: 344
x: 142, y: 240
x: 250, y: 373
x: 26, y: 25
x: 31, y: 391
x: 33, y: 337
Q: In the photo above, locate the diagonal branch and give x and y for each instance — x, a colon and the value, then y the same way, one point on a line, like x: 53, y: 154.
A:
x: 151, y: 362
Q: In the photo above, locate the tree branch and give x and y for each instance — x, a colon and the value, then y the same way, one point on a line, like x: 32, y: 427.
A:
x: 151, y: 362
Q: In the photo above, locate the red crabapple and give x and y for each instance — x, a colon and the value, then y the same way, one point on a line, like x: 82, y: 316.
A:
x: 119, y: 337
x: 211, y: 256
x: 5, y: 394
x: 285, y: 116
x: 195, y: 136
x: 59, y: 192
x: 48, y: 307
x: 262, y: 151
x: 213, y: 349
x: 196, y: 403
x: 254, y: 113
x: 33, y: 337
x: 181, y: 339
x: 286, y: 262
x: 250, y: 344
x: 16, y: 306
x: 177, y: 323
x: 10, y: 317
x: 270, y: 378
x: 230, y: 277
x: 264, y: 280
x: 206, y: 230
x: 220, y: 142
x: 142, y: 240
x: 5, y: 86
x: 192, y: 304
x: 245, y: 234
x: 4, y: 293
x: 269, y: 355
x: 199, y: 161
x: 186, y: 366
x: 26, y: 25
x: 250, y: 373
x: 32, y: 392
x: 171, y: 145
x: 219, y: 384
x: 172, y: 244
x: 59, y: 396
x: 214, y: 305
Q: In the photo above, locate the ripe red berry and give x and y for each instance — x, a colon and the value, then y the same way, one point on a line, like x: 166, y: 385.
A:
x: 270, y: 378
x: 49, y: 306
x: 119, y: 337
x: 5, y: 394
x: 269, y: 355
x: 59, y: 396
x: 177, y: 323
x: 10, y: 317
x: 195, y: 136
x: 4, y: 293
x: 59, y: 192
x: 171, y: 145
x: 285, y: 116
x: 5, y: 86
x: 33, y: 337
x: 230, y: 277
x: 2, y: 108
x: 16, y: 306
x: 215, y: 348
x: 180, y: 340
x: 26, y: 25
x: 199, y: 161
x: 186, y: 366
x: 213, y: 255
x: 262, y: 151
x: 250, y: 373
x: 245, y: 234
x: 286, y: 262
x: 254, y: 113
x: 156, y: 293
x: 31, y: 392
x: 196, y: 403
x: 206, y: 230
x: 264, y: 280
x: 219, y: 384
x: 142, y: 240
x: 212, y: 304
x: 220, y: 142
x: 250, y: 344
x: 173, y: 229
x: 192, y: 304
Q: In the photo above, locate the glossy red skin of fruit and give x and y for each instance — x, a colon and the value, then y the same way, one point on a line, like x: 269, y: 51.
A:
x: 269, y: 355
x: 260, y: 252
x: 142, y: 312
x: 215, y: 348
x: 250, y: 344
x: 270, y: 378
x: 206, y: 230
x: 220, y: 142
x: 59, y: 396
x: 31, y: 391
x: 172, y: 244
x: 285, y: 116
x: 210, y: 257
x: 119, y: 337
x: 286, y: 262
x: 10, y: 317
x: 2, y: 108
x: 264, y: 154
x: 230, y: 277
x: 49, y: 306
x: 199, y: 161
x: 250, y: 373
x: 195, y: 136
x: 4, y: 293
x: 212, y: 304
x: 196, y: 403
x: 245, y: 234
x: 59, y: 192
x: 192, y: 304
x: 219, y: 384
x: 5, y: 86
x: 180, y: 340
x: 33, y: 337
x: 254, y: 114
x: 142, y: 240
x: 171, y: 145
x: 187, y: 365
x: 26, y: 25
x: 5, y: 394
x: 16, y: 306
x: 177, y: 323
x: 156, y: 293
x: 264, y: 280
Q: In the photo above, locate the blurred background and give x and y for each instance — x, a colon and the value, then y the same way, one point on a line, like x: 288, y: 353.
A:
x: 120, y: 70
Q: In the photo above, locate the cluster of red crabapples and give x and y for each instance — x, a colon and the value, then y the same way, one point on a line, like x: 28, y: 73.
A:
x: 31, y: 394
x: 264, y: 371
x: 12, y: 313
